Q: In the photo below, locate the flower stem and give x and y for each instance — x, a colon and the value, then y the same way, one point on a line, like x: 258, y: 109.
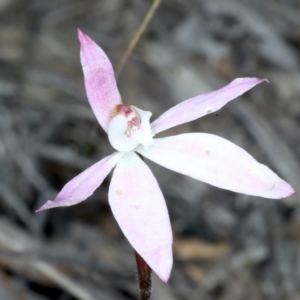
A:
x: 144, y: 278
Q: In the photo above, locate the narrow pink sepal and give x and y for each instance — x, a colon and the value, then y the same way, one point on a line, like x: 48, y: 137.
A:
x: 140, y: 209
x: 99, y: 77
x: 217, y: 161
x: 83, y: 185
x: 201, y: 105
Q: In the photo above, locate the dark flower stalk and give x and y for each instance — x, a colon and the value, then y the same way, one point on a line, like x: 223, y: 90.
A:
x: 144, y: 278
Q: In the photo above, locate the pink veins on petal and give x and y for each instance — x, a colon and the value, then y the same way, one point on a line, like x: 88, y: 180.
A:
x: 100, y: 84
x: 134, y: 195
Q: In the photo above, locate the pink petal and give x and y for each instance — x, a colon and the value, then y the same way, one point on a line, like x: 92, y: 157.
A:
x: 217, y: 161
x: 140, y: 209
x: 201, y: 105
x: 84, y: 184
x: 100, y: 83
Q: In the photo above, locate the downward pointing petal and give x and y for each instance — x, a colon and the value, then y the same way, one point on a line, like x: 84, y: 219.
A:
x: 202, y: 105
x: 140, y: 209
x: 100, y: 83
x: 214, y: 160
x: 84, y: 184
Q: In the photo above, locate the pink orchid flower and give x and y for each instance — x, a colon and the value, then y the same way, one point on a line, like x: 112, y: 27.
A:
x: 134, y: 194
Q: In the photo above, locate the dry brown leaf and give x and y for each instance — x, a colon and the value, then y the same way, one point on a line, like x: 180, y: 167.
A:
x: 192, y: 248
x: 196, y: 273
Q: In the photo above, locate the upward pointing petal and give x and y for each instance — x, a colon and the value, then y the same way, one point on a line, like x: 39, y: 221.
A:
x: 140, y: 209
x: 83, y: 185
x: 100, y: 82
x: 201, y: 105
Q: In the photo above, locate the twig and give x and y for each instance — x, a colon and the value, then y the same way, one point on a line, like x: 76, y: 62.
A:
x: 63, y: 155
x: 25, y: 163
x: 219, y: 275
x: 23, y: 160
x: 137, y: 36
x: 63, y: 281
x: 281, y: 249
x: 18, y: 206
x: 11, y: 238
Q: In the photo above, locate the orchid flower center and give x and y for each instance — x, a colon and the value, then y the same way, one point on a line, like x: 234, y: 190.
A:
x: 133, y: 120
x: 129, y: 127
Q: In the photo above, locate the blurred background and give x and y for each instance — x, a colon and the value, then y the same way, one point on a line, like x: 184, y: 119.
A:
x: 226, y: 246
